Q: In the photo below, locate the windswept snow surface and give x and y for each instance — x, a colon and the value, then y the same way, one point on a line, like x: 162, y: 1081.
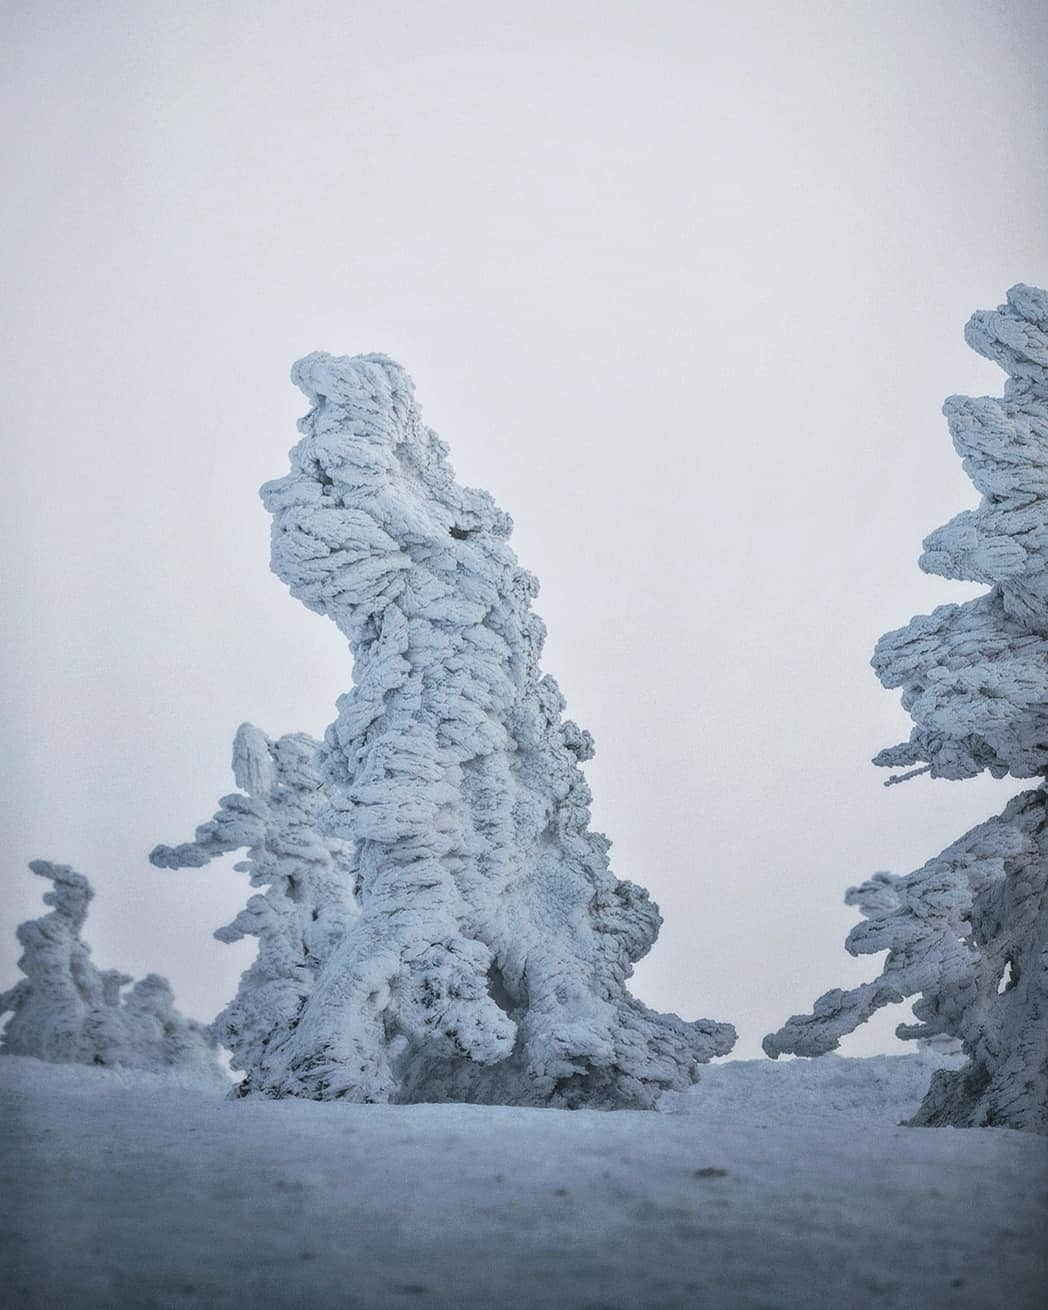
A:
x: 772, y: 1185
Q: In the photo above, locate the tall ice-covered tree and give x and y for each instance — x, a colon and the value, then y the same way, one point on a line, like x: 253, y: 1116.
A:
x: 490, y: 958
x: 967, y: 934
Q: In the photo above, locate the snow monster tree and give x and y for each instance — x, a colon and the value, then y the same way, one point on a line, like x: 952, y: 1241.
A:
x: 490, y: 958
x: 967, y: 934
x: 69, y: 1012
x: 310, y: 897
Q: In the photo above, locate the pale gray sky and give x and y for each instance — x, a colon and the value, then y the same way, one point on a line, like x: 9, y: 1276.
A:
x: 683, y: 284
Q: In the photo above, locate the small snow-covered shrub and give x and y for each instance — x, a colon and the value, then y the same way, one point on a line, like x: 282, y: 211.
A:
x: 68, y: 1011
x: 967, y: 934
x: 490, y: 958
x: 309, y: 900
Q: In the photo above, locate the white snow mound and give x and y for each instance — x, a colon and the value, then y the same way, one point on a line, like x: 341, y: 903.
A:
x: 774, y: 1186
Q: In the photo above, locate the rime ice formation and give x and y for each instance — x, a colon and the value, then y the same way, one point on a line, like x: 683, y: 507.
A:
x: 490, y: 958
x: 308, y: 905
x: 68, y: 1011
x: 968, y: 933
x: 974, y: 677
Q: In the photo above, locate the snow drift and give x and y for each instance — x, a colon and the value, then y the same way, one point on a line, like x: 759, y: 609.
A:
x: 768, y: 1185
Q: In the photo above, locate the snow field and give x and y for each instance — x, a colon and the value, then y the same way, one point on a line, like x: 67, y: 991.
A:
x: 768, y: 1185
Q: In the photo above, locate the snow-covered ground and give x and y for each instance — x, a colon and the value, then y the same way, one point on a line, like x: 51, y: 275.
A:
x: 769, y: 1185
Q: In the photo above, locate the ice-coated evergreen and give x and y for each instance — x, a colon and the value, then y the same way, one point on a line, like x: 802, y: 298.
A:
x: 967, y: 934
x: 68, y: 1011
x: 307, y: 907
x: 490, y: 958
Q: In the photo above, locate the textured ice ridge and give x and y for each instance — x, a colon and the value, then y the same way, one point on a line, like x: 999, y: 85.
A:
x: 68, y: 1011
x: 968, y: 933
x: 490, y: 957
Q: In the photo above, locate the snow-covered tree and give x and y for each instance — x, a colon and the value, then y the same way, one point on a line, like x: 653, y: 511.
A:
x: 490, y: 958
x: 307, y: 907
x: 68, y: 1011
x: 968, y: 933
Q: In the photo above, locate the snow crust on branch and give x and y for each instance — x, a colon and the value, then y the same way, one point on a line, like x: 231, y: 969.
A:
x: 968, y: 933
x: 68, y: 1011
x: 490, y: 958
x: 307, y: 907
x: 974, y: 677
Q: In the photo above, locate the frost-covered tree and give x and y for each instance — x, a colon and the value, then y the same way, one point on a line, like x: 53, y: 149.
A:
x: 490, y: 958
x: 307, y: 907
x: 967, y: 934
x: 68, y: 1011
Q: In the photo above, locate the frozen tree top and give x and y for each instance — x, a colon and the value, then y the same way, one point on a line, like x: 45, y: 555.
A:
x: 492, y: 951
x: 975, y: 676
x: 67, y: 1010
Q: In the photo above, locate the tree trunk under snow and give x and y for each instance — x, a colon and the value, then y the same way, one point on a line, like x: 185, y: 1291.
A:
x: 968, y: 933
x: 490, y: 958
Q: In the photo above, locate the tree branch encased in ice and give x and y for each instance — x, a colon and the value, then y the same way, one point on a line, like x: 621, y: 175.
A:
x: 309, y: 899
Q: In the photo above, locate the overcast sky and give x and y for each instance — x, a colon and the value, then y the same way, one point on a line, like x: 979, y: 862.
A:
x: 683, y: 284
